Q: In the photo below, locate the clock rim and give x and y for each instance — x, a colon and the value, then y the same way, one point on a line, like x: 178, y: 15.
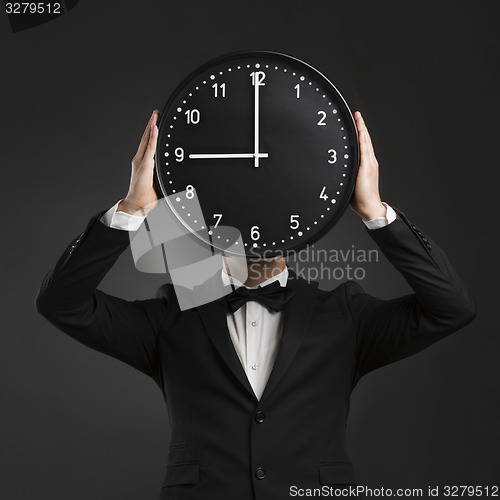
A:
x: 270, y: 253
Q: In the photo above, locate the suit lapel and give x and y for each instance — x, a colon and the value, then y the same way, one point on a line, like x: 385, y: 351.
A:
x: 214, y: 318
x: 297, y: 313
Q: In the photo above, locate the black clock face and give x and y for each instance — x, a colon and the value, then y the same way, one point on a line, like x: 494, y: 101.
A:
x: 265, y: 144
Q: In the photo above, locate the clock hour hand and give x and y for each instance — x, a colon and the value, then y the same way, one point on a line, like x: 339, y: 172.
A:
x: 229, y: 155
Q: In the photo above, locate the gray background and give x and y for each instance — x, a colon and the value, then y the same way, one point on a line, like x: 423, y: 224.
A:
x: 75, y: 96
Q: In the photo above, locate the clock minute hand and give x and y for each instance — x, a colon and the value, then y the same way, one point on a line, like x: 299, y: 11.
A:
x: 229, y: 155
x: 257, y: 81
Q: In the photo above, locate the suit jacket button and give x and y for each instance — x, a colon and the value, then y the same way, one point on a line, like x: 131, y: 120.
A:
x: 260, y: 417
x: 260, y: 473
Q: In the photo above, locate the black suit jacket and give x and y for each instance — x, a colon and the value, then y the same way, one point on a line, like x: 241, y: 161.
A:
x: 224, y: 442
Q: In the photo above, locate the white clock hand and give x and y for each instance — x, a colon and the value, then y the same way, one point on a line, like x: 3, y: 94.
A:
x: 258, y: 79
x: 229, y: 155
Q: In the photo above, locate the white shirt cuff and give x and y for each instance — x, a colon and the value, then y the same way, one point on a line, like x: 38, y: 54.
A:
x: 390, y: 216
x: 122, y: 220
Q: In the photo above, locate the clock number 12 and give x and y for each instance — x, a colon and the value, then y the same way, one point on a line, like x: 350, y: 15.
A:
x: 258, y: 78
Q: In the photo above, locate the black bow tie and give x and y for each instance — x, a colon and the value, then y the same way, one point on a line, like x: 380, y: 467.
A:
x: 273, y: 296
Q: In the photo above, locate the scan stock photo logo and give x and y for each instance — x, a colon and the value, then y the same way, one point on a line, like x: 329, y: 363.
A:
x: 26, y: 15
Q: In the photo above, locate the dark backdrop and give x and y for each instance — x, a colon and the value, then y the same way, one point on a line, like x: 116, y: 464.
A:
x: 75, y: 95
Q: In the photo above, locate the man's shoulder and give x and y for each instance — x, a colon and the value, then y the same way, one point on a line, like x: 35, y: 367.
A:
x: 346, y: 288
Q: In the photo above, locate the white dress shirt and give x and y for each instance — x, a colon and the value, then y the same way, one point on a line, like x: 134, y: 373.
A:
x: 255, y: 330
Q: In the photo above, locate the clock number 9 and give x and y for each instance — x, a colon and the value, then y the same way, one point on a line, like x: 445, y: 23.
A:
x: 192, y: 116
x: 333, y: 156
x: 179, y: 154
x: 322, y: 119
x: 254, y: 233
x: 294, y: 221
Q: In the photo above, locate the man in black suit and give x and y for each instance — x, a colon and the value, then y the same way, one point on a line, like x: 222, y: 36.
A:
x: 258, y: 395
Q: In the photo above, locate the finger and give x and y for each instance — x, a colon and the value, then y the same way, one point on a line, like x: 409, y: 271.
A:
x: 153, y: 138
x: 364, y: 147
x: 145, y: 137
x: 362, y: 129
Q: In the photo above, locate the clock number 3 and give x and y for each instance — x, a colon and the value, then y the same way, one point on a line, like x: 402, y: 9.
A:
x: 333, y: 156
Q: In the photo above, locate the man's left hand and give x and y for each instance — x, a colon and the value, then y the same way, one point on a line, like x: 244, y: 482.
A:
x: 366, y: 200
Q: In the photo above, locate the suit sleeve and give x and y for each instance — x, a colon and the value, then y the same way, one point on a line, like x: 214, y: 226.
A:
x: 390, y: 330
x: 69, y: 299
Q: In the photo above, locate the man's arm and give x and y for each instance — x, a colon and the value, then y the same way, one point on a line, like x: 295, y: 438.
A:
x: 69, y: 299
x: 389, y: 330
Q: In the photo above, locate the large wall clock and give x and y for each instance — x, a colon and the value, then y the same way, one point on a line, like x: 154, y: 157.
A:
x: 267, y: 145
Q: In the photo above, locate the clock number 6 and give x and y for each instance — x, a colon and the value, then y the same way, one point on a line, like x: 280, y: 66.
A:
x: 254, y: 233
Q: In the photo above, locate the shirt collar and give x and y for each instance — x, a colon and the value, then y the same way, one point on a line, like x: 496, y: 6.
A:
x: 282, y: 277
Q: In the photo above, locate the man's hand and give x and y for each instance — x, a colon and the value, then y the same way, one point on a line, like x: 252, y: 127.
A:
x: 141, y: 193
x: 366, y: 200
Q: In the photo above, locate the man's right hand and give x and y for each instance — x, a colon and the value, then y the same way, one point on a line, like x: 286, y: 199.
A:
x: 141, y: 196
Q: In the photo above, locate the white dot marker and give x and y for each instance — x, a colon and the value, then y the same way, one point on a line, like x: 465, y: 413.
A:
x: 179, y: 110
x: 300, y: 233
x: 334, y: 200
x: 212, y: 77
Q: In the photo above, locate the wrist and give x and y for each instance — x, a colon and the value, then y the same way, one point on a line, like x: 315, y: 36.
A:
x: 130, y: 208
x: 373, y: 212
